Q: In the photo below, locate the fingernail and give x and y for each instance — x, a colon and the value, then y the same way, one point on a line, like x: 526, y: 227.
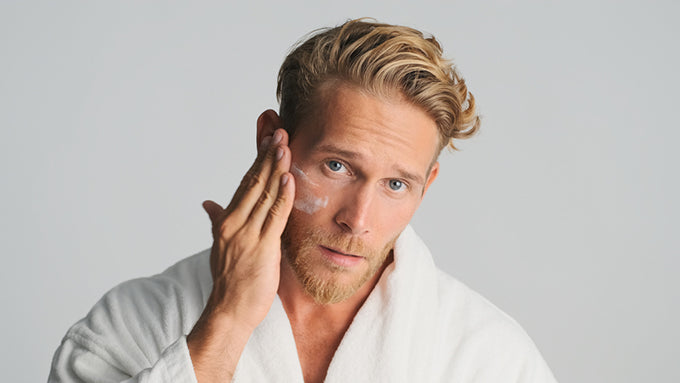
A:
x: 279, y: 153
x: 277, y: 137
x: 265, y: 142
x: 284, y: 179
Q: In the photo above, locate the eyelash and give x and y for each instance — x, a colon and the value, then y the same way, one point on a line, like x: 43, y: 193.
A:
x: 404, y: 184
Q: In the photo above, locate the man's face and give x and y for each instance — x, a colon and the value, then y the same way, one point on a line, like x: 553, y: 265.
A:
x: 361, y: 166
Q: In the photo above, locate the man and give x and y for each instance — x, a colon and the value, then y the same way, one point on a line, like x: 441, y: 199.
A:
x: 314, y: 274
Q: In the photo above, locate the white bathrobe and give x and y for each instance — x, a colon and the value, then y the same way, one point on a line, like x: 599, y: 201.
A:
x: 417, y: 325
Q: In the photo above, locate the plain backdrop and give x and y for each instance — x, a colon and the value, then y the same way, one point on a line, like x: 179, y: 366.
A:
x: 119, y: 118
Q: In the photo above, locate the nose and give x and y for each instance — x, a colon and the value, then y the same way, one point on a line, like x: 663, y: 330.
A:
x: 354, y: 216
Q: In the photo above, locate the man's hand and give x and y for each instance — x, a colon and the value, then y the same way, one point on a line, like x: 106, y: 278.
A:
x: 245, y: 261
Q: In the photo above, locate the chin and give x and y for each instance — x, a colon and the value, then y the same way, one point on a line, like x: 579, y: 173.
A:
x: 323, y: 267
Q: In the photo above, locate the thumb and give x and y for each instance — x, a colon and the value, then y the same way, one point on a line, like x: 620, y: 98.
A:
x: 214, y: 211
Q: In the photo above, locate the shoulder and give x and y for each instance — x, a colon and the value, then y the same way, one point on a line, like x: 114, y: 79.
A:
x: 461, y: 304
x: 474, y: 341
x: 461, y: 311
x: 489, y: 341
x: 147, y: 313
x: 134, y: 324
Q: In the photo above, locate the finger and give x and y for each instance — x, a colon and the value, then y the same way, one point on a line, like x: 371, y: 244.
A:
x: 259, y: 182
x: 216, y: 215
x: 253, y: 176
x: 214, y: 211
x: 270, y: 193
x: 278, y: 214
x: 261, y: 166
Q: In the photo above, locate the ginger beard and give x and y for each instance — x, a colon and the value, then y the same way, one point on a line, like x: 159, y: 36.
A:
x: 323, y: 280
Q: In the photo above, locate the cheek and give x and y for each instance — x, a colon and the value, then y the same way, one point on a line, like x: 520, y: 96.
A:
x: 309, y: 195
x: 309, y: 203
x: 394, y: 215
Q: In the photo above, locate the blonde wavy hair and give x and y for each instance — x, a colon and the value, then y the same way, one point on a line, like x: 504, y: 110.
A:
x: 377, y: 58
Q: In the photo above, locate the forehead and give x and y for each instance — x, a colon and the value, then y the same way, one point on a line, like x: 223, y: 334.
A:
x: 388, y: 131
x: 381, y: 131
x: 387, y: 134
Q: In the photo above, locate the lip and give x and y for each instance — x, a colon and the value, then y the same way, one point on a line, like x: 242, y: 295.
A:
x: 340, y: 258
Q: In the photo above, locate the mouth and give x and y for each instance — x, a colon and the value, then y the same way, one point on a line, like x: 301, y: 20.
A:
x: 339, y: 258
x: 340, y: 252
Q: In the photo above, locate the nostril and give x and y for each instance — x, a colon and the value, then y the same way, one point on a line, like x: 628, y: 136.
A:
x: 343, y: 225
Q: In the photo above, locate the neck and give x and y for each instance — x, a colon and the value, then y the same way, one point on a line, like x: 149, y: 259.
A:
x: 302, y: 308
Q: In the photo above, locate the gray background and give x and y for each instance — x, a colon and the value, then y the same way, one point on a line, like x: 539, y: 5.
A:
x: 118, y: 119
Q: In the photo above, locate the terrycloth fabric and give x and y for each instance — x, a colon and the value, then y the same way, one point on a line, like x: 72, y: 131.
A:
x: 418, y: 325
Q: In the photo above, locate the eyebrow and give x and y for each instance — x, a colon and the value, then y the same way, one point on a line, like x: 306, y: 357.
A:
x: 403, y: 173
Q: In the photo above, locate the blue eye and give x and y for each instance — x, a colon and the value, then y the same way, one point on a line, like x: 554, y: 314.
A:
x: 396, y: 185
x: 335, y: 166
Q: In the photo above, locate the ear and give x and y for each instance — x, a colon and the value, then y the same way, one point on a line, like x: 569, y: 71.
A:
x: 430, y: 178
x: 267, y: 124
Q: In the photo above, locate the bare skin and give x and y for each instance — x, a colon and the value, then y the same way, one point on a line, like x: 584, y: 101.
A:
x: 385, y: 148
x: 245, y: 257
x: 318, y: 330
x: 247, y: 272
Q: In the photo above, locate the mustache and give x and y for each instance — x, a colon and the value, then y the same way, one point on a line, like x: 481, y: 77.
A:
x: 341, y: 242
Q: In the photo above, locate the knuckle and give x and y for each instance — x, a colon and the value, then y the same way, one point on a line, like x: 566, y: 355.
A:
x: 224, y: 233
x: 225, y: 230
x: 277, y: 207
x: 223, y: 226
x: 265, y: 197
x: 264, y: 157
x: 240, y: 242
x: 235, y: 246
x: 252, y: 180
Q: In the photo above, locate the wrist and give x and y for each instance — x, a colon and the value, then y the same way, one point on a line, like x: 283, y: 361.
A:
x: 215, y: 346
x: 228, y: 311
x: 216, y: 327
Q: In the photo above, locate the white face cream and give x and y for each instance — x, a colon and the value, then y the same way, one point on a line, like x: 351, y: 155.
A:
x: 305, y: 200
x: 302, y: 175
x: 310, y: 204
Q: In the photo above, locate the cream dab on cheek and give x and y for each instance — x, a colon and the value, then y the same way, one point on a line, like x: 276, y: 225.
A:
x: 310, y: 204
x: 302, y: 175
x: 305, y: 201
